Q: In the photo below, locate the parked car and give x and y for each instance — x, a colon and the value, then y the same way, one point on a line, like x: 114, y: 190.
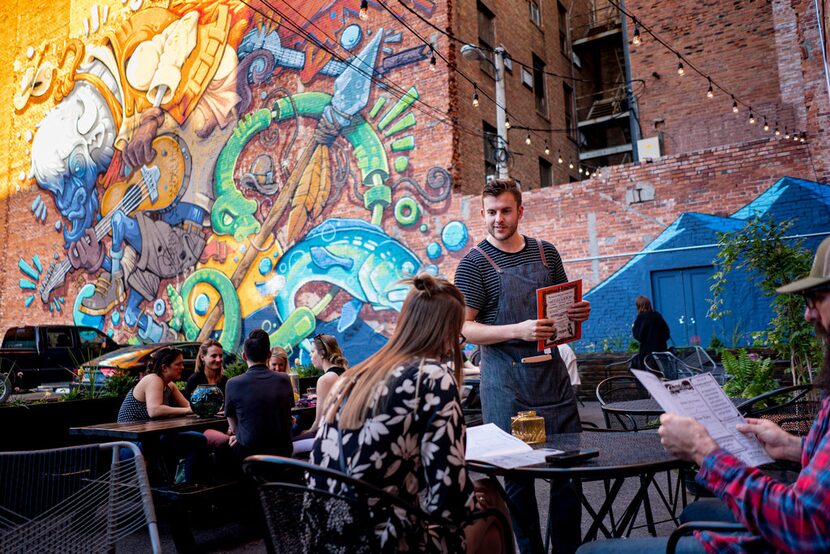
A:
x: 134, y: 360
x: 32, y: 355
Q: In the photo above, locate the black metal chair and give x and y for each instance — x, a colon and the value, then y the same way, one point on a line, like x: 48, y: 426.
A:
x: 793, y: 408
x: 692, y: 526
x: 619, y: 389
x: 311, y: 509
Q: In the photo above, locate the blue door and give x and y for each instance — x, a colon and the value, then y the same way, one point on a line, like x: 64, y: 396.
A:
x: 680, y: 295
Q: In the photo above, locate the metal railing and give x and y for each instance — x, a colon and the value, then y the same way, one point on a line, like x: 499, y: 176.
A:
x: 602, y: 17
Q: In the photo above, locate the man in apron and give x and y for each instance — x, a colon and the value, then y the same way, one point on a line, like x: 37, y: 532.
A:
x: 499, y: 278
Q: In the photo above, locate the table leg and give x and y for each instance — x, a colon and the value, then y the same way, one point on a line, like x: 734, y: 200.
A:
x: 616, y: 485
x: 633, y: 508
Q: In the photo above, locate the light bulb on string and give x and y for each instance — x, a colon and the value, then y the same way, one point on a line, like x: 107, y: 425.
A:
x: 803, y: 137
x: 751, y: 116
x: 580, y: 171
x: 795, y: 136
x: 786, y: 133
x: 432, y: 61
x: 475, y: 96
x: 559, y: 157
x: 710, y: 92
x: 570, y: 165
x: 680, y: 69
x: 364, y: 10
x: 636, y: 40
x: 734, y: 104
x: 777, y: 130
x: 506, y: 123
x: 547, y: 149
x: 527, y: 139
x: 766, y: 125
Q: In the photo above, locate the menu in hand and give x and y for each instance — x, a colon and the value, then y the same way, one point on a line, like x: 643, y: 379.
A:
x: 552, y: 303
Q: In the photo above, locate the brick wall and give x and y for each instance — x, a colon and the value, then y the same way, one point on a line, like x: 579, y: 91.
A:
x: 717, y: 181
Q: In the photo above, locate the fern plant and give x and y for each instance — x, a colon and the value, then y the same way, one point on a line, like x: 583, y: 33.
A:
x: 751, y: 375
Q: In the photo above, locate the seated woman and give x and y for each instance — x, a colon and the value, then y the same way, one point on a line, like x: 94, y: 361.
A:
x: 278, y: 361
x: 395, y: 421
x: 209, y: 369
x: 325, y: 355
x: 156, y: 395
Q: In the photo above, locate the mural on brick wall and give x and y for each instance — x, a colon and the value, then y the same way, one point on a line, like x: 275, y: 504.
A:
x: 199, y: 162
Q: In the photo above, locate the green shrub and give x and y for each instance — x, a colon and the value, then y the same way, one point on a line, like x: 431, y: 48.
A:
x: 237, y: 367
x: 751, y: 375
x: 309, y: 370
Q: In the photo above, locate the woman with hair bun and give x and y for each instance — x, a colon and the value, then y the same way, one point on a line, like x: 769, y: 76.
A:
x: 395, y: 422
x: 326, y: 355
x: 156, y: 395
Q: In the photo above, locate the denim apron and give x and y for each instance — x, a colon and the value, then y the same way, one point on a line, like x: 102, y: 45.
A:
x: 509, y: 386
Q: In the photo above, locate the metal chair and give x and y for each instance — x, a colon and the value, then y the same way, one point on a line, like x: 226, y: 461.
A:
x: 313, y: 509
x: 74, y: 499
x: 793, y: 408
x: 668, y: 366
x: 619, y: 389
x: 692, y: 526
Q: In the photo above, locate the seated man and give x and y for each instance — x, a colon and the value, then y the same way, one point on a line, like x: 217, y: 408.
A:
x: 779, y: 517
x: 258, y: 404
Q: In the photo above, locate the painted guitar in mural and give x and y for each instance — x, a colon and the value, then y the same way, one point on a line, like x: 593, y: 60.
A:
x: 149, y: 188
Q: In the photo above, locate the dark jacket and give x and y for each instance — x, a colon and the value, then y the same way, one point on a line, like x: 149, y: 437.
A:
x: 652, y: 331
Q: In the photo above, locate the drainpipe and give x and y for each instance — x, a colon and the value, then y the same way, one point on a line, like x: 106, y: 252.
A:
x: 633, y: 116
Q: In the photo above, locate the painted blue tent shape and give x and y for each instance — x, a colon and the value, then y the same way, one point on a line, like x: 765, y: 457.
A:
x: 673, y: 270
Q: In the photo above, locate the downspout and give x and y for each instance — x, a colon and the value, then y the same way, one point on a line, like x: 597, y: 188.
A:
x: 633, y: 116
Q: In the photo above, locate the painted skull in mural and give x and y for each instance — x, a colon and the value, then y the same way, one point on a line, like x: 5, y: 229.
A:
x: 74, y: 143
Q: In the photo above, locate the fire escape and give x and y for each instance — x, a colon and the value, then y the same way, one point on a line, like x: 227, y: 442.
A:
x: 602, y: 111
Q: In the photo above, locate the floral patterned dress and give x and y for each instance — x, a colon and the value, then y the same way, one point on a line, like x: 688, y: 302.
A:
x: 412, y: 445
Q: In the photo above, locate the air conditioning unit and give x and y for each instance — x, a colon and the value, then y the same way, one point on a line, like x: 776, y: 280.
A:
x: 650, y: 149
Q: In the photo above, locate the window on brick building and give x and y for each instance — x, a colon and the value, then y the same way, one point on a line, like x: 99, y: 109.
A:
x: 563, y: 29
x: 535, y: 15
x: 545, y: 173
x: 486, y: 36
x: 539, y: 85
x: 490, y: 147
x: 568, y: 104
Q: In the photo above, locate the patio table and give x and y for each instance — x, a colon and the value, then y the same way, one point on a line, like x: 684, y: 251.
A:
x: 621, y: 456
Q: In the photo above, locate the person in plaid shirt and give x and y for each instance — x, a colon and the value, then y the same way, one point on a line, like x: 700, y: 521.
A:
x: 779, y: 516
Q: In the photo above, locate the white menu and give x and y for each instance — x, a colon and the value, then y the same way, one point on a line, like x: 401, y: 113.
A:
x: 701, y: 398
x: 489, y: 444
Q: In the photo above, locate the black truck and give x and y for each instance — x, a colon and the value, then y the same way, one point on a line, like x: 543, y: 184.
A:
x: 32, y: 355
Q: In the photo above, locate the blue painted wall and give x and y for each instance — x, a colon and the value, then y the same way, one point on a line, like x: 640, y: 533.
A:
x: 806, y: 203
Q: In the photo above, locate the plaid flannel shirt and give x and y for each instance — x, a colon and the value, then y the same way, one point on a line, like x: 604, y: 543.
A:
x: 780, y: 517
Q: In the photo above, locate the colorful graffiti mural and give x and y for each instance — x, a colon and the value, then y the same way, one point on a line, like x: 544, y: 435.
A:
x: 208, y: 164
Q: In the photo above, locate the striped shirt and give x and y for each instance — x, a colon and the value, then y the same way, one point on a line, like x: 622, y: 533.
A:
x: 479, y: 282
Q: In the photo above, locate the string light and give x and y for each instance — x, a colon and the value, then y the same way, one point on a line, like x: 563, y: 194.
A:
x: 475, y: 96
x: 710, y: 93
x: 364, y: 10
x: 580, y: 171
x: 680, y: 69
x: 432, y: 61
x: 527, y: 139
x: 751, y: 117
x: 547, y: 149
x: 766, y: 125
x: 777, y: 130
x: 803, y: 137
x: 570, y: 165
x: 636, y: 41
x: 559, y: 157
x: 734, y: 104
x: 786, y: 133
x: 506, y: 122
x: 795, y: 136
